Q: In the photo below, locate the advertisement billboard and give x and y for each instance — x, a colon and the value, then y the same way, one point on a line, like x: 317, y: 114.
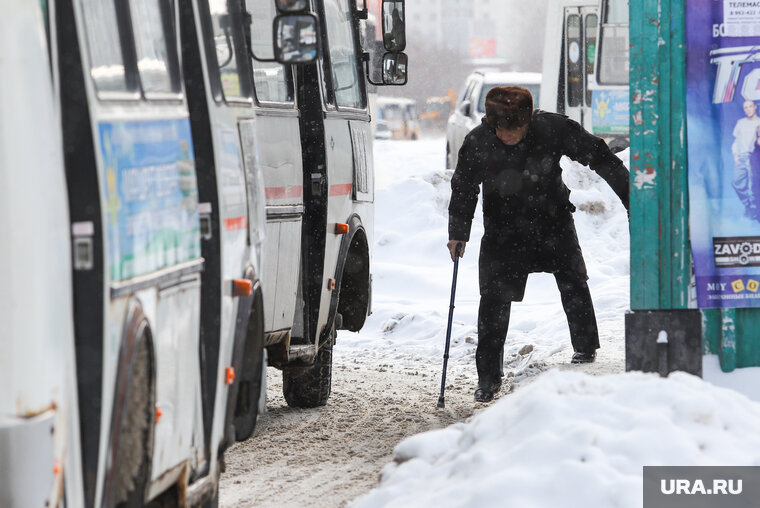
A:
x: 723, y: 136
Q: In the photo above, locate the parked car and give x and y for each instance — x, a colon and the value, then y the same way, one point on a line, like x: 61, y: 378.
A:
x: 470, y: 106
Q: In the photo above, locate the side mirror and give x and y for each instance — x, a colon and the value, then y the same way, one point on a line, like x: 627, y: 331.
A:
x: 291, y: 6
x: 394, y: 68
x: 466, y: 108
x: 296, y: 38
x: 394, y: 28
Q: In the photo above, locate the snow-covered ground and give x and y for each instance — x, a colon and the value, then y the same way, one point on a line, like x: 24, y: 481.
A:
x: 567, y: 438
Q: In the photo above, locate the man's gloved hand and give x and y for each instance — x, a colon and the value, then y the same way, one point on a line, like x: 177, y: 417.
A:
x: 452, y: 245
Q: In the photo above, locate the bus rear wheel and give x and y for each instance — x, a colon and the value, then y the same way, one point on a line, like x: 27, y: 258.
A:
x: 310, y: 387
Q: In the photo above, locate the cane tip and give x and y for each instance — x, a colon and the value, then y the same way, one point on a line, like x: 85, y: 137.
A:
x: 441, y: 403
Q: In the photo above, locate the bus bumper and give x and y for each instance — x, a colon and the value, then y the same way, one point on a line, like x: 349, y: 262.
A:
x: 27, y: 460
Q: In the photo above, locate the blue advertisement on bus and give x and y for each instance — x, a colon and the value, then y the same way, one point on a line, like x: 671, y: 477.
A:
x: 610, y: 112
x: 151, y: 196
x: 723, y: 126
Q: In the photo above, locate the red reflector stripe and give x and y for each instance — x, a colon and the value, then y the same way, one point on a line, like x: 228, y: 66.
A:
x: 288, y: 191
x: 342, y: 189
x: 235, y: 223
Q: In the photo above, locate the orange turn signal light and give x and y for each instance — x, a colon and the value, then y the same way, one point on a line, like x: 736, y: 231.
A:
x: 57, y: 468
x: 341, y: 229
x: 229, y: 375
x: 159, y: 413
x: 242, y: 287
x: 330, y: 284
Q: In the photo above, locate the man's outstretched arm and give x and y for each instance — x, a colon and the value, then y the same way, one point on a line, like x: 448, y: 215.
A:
x: 592, y: 151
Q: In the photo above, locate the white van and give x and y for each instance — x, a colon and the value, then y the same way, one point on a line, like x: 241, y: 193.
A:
x: 471, y: 108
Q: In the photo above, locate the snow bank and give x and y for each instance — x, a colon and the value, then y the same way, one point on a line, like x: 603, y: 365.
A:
x: 569, y: 440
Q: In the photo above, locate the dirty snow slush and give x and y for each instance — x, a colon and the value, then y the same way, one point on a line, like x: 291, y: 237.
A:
x: 330, y: 455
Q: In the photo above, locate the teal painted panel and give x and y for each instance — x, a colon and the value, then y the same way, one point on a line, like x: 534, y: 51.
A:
x: 748, y: 338
x: 660, y: 259
x: 645, y: 210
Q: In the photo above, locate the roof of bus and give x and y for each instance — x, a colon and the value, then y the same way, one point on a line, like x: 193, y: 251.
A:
x: 401, y: 101
x: 512, y: 78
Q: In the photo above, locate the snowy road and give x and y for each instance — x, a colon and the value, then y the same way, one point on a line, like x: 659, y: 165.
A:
x: 386, y: 379
x: 328, y: 456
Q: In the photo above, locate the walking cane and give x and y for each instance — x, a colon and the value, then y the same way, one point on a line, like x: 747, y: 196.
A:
x: 448, y: 329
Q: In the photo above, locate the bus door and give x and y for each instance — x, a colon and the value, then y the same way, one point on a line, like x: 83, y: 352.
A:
x: 348, y: 182
x: 279, y: 156
x: 131, y: 180
x: 579, y: 50
x: 219, y: 91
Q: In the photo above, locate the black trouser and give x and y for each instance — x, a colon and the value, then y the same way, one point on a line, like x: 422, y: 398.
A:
x: 493, y: 323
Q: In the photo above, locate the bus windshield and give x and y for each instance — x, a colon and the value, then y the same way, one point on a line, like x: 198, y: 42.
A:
x: 613, y: 47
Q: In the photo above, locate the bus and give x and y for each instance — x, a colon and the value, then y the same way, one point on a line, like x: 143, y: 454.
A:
x: 38, y: 418
x: 315, y: 139
x: 397, y: 118
x: 585, y: 66
x: 155, y: 137
x: 142, y: 359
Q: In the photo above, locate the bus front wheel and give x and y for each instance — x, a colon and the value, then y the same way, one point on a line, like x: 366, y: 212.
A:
x: 310, y: 387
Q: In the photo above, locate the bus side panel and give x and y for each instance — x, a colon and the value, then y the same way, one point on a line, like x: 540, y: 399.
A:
x: 283, y: 177
x: 179, y: 429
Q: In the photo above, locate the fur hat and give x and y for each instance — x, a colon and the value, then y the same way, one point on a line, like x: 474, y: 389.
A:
x: 508, y: 107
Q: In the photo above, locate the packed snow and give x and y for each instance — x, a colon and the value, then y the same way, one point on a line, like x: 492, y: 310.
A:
x: 571, y: 439
x: 563, y: 438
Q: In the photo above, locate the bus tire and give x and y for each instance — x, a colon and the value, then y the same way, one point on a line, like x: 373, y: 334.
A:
x: 133, y: 469
x: 310, y: 387
x: 249, y: 390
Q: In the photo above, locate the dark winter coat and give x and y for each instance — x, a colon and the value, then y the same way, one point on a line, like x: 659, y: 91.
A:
x: 527, y: 212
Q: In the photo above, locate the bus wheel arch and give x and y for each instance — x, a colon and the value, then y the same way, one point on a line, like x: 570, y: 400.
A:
x: 252, y: 366
x: 354, y: 296
x: 134, y: 413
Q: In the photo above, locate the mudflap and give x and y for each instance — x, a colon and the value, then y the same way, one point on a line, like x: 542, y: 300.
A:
x: 664, y: 341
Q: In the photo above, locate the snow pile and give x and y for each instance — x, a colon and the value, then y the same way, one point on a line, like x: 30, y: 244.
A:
x: 744, y: 380
x: 413, y: 272
x: 569, y: 440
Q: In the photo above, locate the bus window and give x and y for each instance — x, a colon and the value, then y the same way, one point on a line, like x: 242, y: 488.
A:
x: 106, y: 58
x: 613, y: 46
x: 157, y: 64
x: 226, y: 38
x: 574, y: 61
x: 273, y: 82
x: 592, y: 21
x: 344, y: 67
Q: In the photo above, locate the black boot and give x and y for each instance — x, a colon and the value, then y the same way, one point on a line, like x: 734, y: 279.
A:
x: 485, y: 390
x: 583, y: 357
